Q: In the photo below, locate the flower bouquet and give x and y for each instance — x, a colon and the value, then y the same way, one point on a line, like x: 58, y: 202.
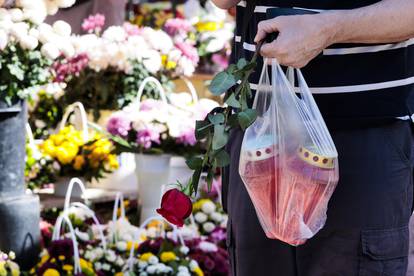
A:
x: 7, y: 265
x: 106, y: 70
x: 163, y: 257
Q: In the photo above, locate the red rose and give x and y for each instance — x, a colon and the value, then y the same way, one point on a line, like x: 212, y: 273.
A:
x: 175, y: 207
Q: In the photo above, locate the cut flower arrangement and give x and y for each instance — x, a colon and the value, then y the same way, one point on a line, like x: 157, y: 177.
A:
x: 108, y: 66
x: 73, y: 156
x: 157, y: 127
x: 28, y: 47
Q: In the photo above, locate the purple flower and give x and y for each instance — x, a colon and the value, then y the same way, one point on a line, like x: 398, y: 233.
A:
x: 131, y: 29
x: 70, y: 67
x: 150, y: 104
x: 221, y: 60
x: 187, y: 138
x: 174, y: 26
x: 62, y: 247
x: 119, y: 125
x: 147, y: 136
x: 189, y: 51
x: 218, y: 235
x: 94, y: 23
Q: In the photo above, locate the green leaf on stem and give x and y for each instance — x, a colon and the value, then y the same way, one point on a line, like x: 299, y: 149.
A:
x: 241, y: 64
x: 195, y: 179
x: 222, y: 82
x: 194, y: 163
x: 232, y: 101
x: 216, y: 118
x: 222, y: 158
x: 220, y: 137
x: 202, y: 129
x: 246, y: 118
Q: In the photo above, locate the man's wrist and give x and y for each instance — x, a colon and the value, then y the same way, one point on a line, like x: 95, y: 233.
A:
x: 335, y: 26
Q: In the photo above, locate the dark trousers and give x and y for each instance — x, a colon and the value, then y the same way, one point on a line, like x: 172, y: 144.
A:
x: 366, y: 233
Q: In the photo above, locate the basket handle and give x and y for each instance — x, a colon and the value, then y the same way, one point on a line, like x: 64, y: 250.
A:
x: 95, y: 220
x: 119, y: 203
x: 83, y: 119
x: 74, y: 181
x: 63, y: 218
x: 191, y: 89
x: 158, y: 85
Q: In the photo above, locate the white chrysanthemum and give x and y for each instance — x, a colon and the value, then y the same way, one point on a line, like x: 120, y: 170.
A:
x: 115, y: 33
x: 28, y: 42
x: 5, y: 14
x: 185, y: 67
x: 143, y: 273
x: 46, y: 33
x: 98, y: 266
x: 217, y: 217
x: 6, y: 25
x: 4, y: 39
x: 119, y: 261
x: 16, y: 15
x: 207, y: 246
x: 62, y: 28
x: 183, y: 268
x: 152, y: 60
x: 153, y: 260
x: 121, y: 246
x: 106, y: 267
x: 110, y: 256
x: 158, y: 40
x: 183, y: 273
x: 184, y: 249
x: 208, y: 207
x: 83, y: 236
x: 19, y: 30
x: 200, y: 217
x: 142, y: 264
x: 208, y: 227
x: 151, y: 269
x: 50, y: 51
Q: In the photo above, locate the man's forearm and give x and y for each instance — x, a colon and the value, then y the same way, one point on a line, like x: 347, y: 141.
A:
x: 384, y: 22
x: 225, y: 4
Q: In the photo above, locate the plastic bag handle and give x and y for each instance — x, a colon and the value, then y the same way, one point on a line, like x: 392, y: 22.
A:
x: 68, y: 195
x: 158, y: 85
x: 92, y: 214
x: 119, y: 203
x: 56, y: 236
x: 30, y: 137
x: 83, y: 118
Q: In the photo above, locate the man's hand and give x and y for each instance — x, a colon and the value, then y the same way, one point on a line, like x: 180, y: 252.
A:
x: 301, y: 38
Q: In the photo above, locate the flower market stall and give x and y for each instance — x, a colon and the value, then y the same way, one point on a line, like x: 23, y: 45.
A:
x: 97, y: 129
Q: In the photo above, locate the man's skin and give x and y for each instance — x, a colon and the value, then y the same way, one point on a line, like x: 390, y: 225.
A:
x: 302, y: 37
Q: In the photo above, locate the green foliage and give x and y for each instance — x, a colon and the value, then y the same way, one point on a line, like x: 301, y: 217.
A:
x: 215, y: 129
x: 21, y: 70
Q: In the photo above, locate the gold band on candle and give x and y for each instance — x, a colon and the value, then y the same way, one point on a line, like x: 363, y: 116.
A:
x: 315, y: 159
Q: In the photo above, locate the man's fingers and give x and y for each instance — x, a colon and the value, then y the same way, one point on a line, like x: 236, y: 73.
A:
x: 268, y: 49
x: 266, y: 26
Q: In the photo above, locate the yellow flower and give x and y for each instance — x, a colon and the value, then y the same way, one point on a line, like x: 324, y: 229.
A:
x: 198, y: 271
x: 168, y: 256
x: 85, y: 264
x: 113, y: 162
x: 79, y: 162
x: 49, y: 148
x: 171, y: 65
x: 57, y: 138
x: 119, y: 274
x: 67, y: 268
x: 197, y: 205
x: 155, y: 223
x: 15, y: 272
x: 44, y: 259
x: 51, y: 272
x: 209, y: 26
x: 145, y: 257
x: 61, y: 258
x: 63, y: 156
x: 3, y: 271
x: 130, y: 243
x: 164, y: 60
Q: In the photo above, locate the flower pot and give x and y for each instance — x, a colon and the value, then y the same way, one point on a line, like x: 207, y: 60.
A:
x: 123, y: 179
x: 179, y: 171
x: 62, y: 184
x: 152, y: 173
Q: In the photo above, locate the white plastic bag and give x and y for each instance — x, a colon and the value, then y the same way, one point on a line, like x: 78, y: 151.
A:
x: 288, y: 161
